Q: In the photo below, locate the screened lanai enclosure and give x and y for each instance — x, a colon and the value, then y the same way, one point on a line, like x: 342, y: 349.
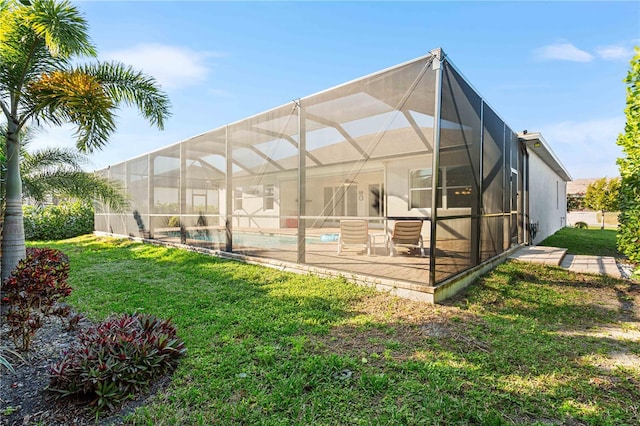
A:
x: 331, y: 180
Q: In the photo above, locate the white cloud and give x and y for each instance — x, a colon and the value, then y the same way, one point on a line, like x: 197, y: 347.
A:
x: 562, y: 52
x: 173, y: 66
x: 588, y: 148
x: 45, y: 137
x: 613, y: 52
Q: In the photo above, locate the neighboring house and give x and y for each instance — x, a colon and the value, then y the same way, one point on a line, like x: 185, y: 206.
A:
x: 274, y: 188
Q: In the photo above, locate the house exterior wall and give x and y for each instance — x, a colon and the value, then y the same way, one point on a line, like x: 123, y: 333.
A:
x: 547, y: 198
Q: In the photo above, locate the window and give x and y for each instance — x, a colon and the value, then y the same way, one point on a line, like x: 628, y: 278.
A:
x: 420, y: 188
x: 456, y: 187
x: 454, y: 190
x: 269, y: 197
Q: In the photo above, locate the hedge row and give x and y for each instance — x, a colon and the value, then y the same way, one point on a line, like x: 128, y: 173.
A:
x: 65, y: 220
x: 629, y: 229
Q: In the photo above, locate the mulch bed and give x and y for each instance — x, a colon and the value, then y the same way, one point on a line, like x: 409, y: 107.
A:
x: 23, y: 396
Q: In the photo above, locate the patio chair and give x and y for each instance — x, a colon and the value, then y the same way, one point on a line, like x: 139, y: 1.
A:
x: 354, y: 232
x: 406, y: 233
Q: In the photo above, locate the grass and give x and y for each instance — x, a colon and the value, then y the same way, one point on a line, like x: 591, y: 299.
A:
x: 524, y: 345
x: 597, y: 242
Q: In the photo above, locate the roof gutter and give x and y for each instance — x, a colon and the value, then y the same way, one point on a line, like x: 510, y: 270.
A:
x: 536, y: 143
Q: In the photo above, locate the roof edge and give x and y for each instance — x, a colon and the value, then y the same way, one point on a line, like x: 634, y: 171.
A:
x: 537, y: 143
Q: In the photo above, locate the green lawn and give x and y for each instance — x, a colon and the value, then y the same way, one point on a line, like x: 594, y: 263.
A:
x: 526, y: 344
x: 597, y: 242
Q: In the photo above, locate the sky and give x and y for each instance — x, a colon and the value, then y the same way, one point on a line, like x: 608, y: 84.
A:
x: 550, y: 67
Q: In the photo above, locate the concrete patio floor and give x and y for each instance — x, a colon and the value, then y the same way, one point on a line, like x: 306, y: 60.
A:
x: 577, y: 263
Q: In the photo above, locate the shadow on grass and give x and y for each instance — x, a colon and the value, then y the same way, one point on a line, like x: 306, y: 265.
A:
x: 552, y: 294
x: 267, y: 347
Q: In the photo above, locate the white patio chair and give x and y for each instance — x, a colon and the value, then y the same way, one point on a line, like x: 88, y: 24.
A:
x: 406, y: 233
x: 354, y: 232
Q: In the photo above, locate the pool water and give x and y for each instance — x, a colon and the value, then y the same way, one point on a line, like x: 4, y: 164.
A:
x: 249, y: 239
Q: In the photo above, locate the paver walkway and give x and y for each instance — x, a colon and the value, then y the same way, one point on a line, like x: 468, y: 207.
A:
x: 559, y: 257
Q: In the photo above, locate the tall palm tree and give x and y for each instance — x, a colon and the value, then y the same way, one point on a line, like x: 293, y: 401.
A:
x: 56, y: 172
x: 40, y: 42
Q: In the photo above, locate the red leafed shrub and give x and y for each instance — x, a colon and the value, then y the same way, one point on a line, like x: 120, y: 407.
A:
x: 117, y: 359
x: 35, y: 286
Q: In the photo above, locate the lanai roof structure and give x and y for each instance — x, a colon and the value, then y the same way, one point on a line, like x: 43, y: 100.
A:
x: 278, y: 188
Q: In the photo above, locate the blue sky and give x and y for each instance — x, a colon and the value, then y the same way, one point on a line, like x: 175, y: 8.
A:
x: 553, y: 67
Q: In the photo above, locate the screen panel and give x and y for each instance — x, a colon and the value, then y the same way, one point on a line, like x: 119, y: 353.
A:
x: 264, y: 156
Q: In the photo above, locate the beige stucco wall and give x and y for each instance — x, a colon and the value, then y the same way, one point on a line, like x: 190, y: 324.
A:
x: 547, y: 198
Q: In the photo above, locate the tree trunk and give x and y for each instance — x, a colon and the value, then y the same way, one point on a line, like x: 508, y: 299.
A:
x: 13, y: 249
x: 602, y: 227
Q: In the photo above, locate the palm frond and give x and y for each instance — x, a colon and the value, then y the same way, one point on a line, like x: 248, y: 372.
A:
x: 75, y: 184
x: 62, y: 27
x: 38, y: 38
x: 76, y: 97
x: 52, y: 157
x: 133, y: 88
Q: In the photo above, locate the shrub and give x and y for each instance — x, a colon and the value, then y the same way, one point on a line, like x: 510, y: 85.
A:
x: 174, y: 222
x: 581, y: 225
x: 629, y: 219
x: 575, y: 202
x: 58, y: 222
x: 35, y: 286
x: 118, y: 358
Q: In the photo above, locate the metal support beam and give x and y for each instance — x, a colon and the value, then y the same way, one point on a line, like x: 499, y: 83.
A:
x: 476, y: 206
x: 264, y: 157
x: 286, y: 138
x: 417, y: 129
x: 228, y: 193
x: 340, y: 130
x: 302, y: 182
x: 151, y: 190
x: 183, y: 180
x: 435, y: 164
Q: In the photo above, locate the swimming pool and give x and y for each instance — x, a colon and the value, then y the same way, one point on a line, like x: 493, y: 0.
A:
x: 252, y: 239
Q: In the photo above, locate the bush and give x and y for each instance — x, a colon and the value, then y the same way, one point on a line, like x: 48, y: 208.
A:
x: 118, y: 358
x: 35, y: 286
x: 575, y: 202
x: 629, y: 219
x: 65, y: 220
x: 174, y: 222
x: 581, y: 225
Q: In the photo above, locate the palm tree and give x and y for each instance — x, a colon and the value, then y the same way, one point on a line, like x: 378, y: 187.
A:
x: 40, y: 42
x: 57, y: 172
